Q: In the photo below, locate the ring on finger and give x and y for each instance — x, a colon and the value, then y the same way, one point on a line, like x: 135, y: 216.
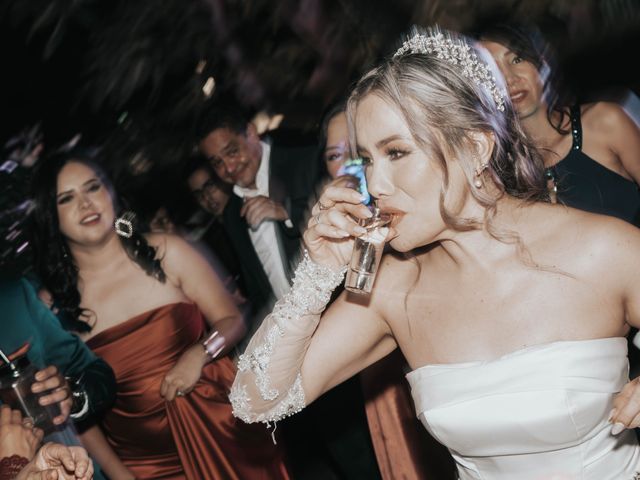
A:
x: 180, y: 393
x: 317, y: 218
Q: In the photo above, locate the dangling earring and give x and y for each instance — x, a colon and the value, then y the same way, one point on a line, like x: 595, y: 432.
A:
x: 478, y: 181
x: 124, y: 224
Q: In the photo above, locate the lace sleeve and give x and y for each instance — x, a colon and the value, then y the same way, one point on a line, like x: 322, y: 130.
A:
x: 268, y: 386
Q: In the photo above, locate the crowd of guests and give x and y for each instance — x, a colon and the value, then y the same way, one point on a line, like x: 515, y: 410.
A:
x: 139, y: 330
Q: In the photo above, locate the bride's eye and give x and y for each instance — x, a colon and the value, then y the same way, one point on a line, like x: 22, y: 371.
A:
x: 395, y: 153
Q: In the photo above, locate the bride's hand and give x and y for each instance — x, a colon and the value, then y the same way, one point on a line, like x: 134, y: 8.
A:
x: 626, y: 408
x: 333, y: 225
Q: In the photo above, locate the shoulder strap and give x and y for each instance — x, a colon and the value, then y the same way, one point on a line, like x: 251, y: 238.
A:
x: 576, y: 128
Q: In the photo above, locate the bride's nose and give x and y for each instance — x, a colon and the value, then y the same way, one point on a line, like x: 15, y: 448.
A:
x: 379, y: 180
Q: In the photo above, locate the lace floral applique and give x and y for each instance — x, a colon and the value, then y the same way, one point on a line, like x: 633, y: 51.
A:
x: 311, y: 291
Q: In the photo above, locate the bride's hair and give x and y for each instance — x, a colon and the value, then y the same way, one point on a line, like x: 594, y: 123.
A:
x: 54, y: 263
x: 443, y: 109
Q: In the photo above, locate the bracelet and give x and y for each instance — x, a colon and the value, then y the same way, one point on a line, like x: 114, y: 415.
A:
x: 214, y: 345
x: 11, y: 466
x: 79, y: 397
x: 78, y: 413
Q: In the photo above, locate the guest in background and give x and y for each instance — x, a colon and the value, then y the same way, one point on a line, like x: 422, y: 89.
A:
x: 152, y: 308
x: 212, y: 195
x: 334, y: 137
x: 271, y: 190
x: 591, y: 152
x: 272, y: 187
x: 29, y: 327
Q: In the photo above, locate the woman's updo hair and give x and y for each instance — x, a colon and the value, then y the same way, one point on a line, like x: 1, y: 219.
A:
x: 443, y: 109
x: 53, y: 261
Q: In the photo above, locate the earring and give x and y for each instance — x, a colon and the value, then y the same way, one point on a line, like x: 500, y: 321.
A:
x: 124, y: 224
x: 478, y: 181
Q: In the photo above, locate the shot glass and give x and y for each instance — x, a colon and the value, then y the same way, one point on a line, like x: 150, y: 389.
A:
x: 367, y: 252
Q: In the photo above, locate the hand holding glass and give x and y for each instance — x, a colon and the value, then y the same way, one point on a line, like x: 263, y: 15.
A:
x: 367, y: 252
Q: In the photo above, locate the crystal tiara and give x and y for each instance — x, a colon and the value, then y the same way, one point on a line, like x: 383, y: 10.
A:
x: 455, y: 51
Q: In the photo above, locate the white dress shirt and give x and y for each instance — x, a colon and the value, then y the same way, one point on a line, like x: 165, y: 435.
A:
x: 265, y: 238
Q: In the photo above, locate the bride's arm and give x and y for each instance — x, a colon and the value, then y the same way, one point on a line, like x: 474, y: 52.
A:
x: 295, y: 356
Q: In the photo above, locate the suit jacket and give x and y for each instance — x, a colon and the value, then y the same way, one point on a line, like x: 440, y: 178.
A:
x: 293, y: 177
x: 26, y: 319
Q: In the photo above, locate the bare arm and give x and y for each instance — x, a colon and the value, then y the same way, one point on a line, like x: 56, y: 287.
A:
x: 190, y: 272
x: 199, y: 282
x: 622, y: 271
x: 623, y: 136
x: 96, y: 444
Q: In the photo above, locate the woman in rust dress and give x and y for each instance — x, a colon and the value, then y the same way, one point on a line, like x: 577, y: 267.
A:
x: 157, y: 313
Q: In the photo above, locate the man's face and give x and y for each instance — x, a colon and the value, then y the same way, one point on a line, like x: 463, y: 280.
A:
x: 210, y: 198
x: 235, y: 157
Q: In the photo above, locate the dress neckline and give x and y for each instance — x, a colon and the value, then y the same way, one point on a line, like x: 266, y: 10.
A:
x: 95, y: 339
x: 517, y: 352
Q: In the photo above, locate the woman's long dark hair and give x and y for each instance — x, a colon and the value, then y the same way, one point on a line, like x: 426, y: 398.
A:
x: 54, y: 263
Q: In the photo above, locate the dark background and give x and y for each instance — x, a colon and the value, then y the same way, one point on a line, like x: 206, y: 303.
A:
x: 130, y: 74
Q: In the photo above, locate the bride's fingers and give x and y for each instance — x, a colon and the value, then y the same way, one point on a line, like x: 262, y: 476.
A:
x: 343, y: 223
x: 323, y: 230
x: 334, y: 196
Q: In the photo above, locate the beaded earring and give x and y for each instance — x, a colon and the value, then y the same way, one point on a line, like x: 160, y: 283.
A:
x: 124, y: 224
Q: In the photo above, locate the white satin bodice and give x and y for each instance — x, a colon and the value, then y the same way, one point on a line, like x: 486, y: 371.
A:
x: 540, y: 413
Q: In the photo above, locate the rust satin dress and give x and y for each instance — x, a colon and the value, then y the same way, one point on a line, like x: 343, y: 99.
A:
x: 194, y: 437
x: 404, y: 449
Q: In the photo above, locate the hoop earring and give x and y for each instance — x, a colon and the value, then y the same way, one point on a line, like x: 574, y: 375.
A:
x: 124, y: 224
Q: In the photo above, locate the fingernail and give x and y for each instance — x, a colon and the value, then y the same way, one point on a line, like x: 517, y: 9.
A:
x: 617, y: 428
x: 368, y: 213
x: 359, y: 230
x: 612, y: 413
x: 344, y: 234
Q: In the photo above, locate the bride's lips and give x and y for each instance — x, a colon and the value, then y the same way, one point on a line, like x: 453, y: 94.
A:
x: 396, y: 215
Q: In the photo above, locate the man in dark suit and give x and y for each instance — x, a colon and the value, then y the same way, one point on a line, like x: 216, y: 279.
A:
x: 273, y: 187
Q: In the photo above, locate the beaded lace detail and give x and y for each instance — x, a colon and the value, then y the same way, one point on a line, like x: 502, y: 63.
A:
x: 309, y: 295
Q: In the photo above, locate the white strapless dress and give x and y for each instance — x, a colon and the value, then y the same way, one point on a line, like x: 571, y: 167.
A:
x: 540, y: 413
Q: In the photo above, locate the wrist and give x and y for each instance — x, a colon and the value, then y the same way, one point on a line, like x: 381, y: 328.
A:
x: 11, y: 466
x: 313, y: 285
x: 214, y: 345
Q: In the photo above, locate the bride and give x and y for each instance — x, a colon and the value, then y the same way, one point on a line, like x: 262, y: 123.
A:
x: 510, y: 311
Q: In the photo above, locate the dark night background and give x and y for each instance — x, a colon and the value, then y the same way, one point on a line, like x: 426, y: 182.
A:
x: 130, y: 74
